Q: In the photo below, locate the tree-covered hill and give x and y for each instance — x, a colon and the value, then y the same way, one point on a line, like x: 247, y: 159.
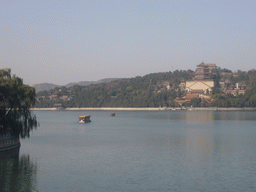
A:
x: 152, y: 90
x: 148, y: 91
x: 48, y: 86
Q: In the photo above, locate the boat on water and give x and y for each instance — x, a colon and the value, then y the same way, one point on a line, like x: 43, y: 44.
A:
x: 84, y: 119
x: 112, y: 114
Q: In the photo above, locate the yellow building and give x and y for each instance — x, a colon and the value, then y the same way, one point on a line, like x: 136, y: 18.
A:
x: 203, y: 86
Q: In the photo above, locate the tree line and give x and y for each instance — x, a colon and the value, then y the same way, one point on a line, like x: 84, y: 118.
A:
x: 150, y: 91
x: 146, y: 91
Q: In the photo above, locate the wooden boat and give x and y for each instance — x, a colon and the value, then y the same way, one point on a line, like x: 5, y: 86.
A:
x: 84, y: 119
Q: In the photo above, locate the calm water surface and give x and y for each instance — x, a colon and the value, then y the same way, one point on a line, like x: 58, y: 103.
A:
x: 136, y: 151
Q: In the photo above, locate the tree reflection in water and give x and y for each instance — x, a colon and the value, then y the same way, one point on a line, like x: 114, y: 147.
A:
x: 17, y: 173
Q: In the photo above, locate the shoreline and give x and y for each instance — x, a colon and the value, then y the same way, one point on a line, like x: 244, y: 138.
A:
x: 101, y: 109
x: 145, y: 109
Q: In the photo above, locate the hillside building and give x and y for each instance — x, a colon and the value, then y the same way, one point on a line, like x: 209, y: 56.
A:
x: 236, y: 90
x: 204, y: 71
x: 202, y: 87
x: 167, y: 85
x: 203, y: 82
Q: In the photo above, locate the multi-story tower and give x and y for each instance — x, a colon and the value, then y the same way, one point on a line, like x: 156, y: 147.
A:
x: 204, y: 71
x: 203, y: 82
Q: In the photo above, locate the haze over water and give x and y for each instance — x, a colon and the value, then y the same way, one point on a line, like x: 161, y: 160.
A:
x: 137, y: 151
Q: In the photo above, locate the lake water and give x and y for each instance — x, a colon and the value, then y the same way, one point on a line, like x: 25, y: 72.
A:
x: 136, y: 151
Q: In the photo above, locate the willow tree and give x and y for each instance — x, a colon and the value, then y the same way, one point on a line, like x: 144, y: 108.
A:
x: 16, y: 99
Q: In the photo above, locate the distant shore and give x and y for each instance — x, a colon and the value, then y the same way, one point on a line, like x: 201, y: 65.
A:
x: 145, y: 109
x: 103, y: 109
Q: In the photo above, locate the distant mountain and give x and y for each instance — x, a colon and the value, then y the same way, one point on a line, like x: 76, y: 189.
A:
x: 44, y: 86
x: 49, y: 86
x: 81, y: 83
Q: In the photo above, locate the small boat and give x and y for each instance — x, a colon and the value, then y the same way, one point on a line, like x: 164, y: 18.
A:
x: 112, y: 114
x: 84, y: 119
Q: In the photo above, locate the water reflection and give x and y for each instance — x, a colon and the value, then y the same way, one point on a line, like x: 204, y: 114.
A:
x: 208, y: 116
x: 200, y: 144
x: 196, y: 144
x: 17, y: 173
x: 203, y: 144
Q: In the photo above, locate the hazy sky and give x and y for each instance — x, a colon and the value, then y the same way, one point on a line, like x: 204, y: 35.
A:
x: 63, y: 41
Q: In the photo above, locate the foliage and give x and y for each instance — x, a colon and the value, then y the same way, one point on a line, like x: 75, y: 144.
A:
x: 216, y: 88
x: 229, y: 100
x: 146, y: 91
x: 150, y: 91
x: 15, y: 100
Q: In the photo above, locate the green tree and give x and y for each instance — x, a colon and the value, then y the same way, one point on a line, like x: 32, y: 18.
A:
x: 195, y: 102
x: 15, y: 100
x: 216, y: 88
